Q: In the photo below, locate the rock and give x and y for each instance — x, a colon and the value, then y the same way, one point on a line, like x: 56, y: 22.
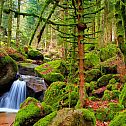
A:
x: 92, y: 75
x: 119, y: 120
x: 30, y: 112
x: 68, y: 117
x: 8, y: 71
x: 35, y: 55
x: 122, y: 97
x: 52, y: 71
x: 27, y: 68
x: 61, y: 94
x: 14, y: 54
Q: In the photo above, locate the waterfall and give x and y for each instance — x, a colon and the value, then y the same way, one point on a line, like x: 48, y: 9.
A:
x: 15, y: 96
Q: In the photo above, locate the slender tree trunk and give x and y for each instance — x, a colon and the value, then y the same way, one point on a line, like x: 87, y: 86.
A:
x: 81, y: 27
x: 9, y: 24
x: 1, y: 10
x: 18, y: 25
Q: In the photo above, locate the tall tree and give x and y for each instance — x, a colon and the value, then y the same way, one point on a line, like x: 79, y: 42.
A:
x: 10, y: 24
x: 18, y: 24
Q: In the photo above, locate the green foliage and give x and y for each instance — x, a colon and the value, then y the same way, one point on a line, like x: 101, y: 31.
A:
x: 46, y: 120
x: 91, y: 59
x: 122, y: 97
x: 119, y: 120
x: 109, y: 95
x: 104, y: 80
x: 60, y: 94
x: 92, y: 75
x: 107, y: 52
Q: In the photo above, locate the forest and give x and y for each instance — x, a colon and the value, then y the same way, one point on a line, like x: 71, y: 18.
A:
x: 63, y: 62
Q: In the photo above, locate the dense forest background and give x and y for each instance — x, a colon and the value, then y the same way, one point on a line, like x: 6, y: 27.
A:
x: 89, y: 35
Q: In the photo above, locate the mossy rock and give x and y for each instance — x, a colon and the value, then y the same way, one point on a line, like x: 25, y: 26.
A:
x: 104, y: 80
x: 8, y: 74
x: 122, y: 97
x: 119, y: 120
x: 108, y: 113
x: 35, y: 55
x: 109, y: 95
x: 30, y: 112
x: 91, y: 59
x: 52, y: 71
x: 68, y: 117
x: 109, y: 51
x: 61, y: 94
x: 92, y: 75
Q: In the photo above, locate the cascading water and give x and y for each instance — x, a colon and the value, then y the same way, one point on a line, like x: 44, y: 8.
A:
x: 11, y: 100
x: 15, y: 96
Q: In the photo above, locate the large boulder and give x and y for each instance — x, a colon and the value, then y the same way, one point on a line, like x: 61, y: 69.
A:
x: 30, y: 112
x: 68, y: 117
x: 8, y: 71
x: 61, y: 94
x: 52, y: 71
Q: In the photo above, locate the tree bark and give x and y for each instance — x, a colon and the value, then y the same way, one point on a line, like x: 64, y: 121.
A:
x: 18, y: 25
x: 9, y: 25
x: 81, y: 27
x: 1, y: 10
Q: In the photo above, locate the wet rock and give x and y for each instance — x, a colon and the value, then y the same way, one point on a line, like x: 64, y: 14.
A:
x: 8, y: 70
x: 27, y: 68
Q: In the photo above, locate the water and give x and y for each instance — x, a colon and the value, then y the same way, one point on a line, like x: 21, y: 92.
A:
x: 15, y: 96
x: 10, y: 101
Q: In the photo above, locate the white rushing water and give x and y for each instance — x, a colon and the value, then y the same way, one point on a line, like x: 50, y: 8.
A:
x: 12, y: 99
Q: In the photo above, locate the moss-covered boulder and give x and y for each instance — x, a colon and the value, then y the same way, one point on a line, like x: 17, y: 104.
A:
x: 92, y: 75
x: 104, y: 80
x: 52, y: 71
x: 8, y: 71
x: 68, y: 117
x: 119, y: 120
x: 35, y: 55
x: 122, y: 97
x: 61, y: 94
x: 30, y: 112
x: 15, y: 54
x: 108, y: 113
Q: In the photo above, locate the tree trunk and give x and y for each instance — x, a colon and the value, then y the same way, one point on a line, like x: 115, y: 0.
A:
x: 18, y: 25
x: 9, y: 24
x: 1, y: 10
x: 81, y: 27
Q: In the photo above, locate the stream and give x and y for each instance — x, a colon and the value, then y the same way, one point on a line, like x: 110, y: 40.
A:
x: 7, y: 119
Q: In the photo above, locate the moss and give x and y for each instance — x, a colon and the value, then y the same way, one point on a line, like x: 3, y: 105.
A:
x: 47, y: 108
x: 109, y: 95
x: 35, y: 55
x: 27, y: 113
x: 52, y: 71
x: 122, y: 97
x: 104, y: 80
x: 107, y: 52
x: 60, y: 94
x: 46, y: 120
x: 119, y: 120
x: 88, y: 115
x: 92, y: 75
x: 91, y: 59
